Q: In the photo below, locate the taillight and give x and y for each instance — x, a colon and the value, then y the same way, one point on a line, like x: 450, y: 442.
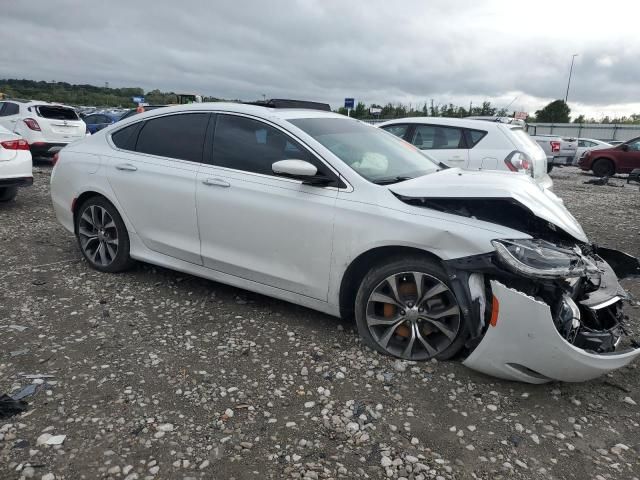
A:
x: 555, y: 146
x: 15, y: 144
x: 55, y: 159
x: 519, y: 162
x: 32, y: 124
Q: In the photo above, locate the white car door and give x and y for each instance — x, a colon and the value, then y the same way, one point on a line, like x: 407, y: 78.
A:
x: 154, y: 180
x: 258, y: 226
x: 9, y: 115
x: 445, y: 144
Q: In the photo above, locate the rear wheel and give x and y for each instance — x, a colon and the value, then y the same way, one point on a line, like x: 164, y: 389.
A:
x: 603, y: 168
x: 102, y: 236
x: 8, y: 193
x: 406, y: 309
x: 549, y: 167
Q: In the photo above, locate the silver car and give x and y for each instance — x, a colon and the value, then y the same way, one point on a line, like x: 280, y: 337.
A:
x: 342, y: 217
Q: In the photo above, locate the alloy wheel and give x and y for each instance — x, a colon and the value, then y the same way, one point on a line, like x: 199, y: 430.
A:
x: 413, y: 315
x: 98, y: 235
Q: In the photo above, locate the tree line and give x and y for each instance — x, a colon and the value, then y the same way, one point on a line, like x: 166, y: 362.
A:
x: 555, y: 112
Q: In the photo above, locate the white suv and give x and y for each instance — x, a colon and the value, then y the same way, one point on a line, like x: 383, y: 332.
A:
x: 474, y: 144
x: 47, y: 127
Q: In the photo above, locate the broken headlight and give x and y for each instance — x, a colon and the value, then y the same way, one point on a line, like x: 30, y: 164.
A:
x: 541, y: 259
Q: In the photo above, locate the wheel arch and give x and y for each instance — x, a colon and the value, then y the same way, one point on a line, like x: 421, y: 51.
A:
x: 83, y: 197
x: 360, y: 265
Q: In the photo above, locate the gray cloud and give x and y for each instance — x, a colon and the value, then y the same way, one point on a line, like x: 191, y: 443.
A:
x: 376, y: 51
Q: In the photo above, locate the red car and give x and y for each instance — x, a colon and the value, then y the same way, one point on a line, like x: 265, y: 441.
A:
x: 622, y: 158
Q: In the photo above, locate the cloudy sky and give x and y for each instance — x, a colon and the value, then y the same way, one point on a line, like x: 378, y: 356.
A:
x: 411, y: 51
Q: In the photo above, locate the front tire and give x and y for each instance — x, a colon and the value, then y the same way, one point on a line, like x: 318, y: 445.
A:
x: 406, y: 308
x: 8, y: 194
x: 102, y: 236
x: 603, y: 168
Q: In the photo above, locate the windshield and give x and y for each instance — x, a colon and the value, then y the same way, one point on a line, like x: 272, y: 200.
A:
x: 378, y: 156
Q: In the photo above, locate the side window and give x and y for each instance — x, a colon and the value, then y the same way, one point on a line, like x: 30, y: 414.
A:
x: 432, y: 137
x: 90, y: 120
x: 582, y: 143
x: 397, y: 130
x: 126, y: 137
x: 634, y: 146
x: 178, y: 136
x: 9, y: 109
x: 245, y: 144
x: 474, y: 136
x: 2, y: 107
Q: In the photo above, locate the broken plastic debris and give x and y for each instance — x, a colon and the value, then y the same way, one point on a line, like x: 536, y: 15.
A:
x: 17, y: 328
x: 37, y: 375
x: 25, y: 392
x: 10, y: 407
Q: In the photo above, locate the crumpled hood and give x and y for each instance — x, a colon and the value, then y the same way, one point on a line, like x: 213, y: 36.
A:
x: 458, y: 183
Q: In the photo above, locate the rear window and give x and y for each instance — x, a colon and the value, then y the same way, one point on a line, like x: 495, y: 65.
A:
x: 57, y: 113
x: 475, y: 136
x: 523, y: 137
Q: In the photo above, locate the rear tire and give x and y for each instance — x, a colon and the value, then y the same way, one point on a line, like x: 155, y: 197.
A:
x: 405, y: 308
x: 603, y: 168
x: 102, y: 236
x: 8, y: 194
x: 549, y: 167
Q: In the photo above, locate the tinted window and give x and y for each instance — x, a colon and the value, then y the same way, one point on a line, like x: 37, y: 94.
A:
x: 432, y: 137
x: 57, y: 113
x: 397, y: 130
x: 634, y: 146
x: 125, y: 138
x: 175, y: 136
x: 475, y: 136
x: 245, y: 144
x: 9, y: 109
x: 91, y: 119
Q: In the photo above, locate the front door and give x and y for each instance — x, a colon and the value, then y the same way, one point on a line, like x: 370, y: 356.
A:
x: 629, y: 159
x: 261, y: 227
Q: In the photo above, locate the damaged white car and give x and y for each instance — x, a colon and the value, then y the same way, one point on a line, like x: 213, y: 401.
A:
x: 336, y: 215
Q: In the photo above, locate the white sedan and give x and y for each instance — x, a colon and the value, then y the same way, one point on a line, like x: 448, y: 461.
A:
x: 327, y: 212
x: 585, y: 144
x: 15, y: 164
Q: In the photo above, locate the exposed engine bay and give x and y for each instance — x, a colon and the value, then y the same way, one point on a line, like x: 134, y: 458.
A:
x: 578, y: 282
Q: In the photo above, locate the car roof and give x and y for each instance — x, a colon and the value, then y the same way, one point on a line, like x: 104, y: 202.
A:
x: 454, y: 122
x: 281, y: 113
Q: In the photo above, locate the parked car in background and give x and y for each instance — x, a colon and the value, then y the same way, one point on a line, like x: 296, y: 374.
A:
x: 474, y: 144
x: 559, y: 150
x: 97, y: 121
x: 615, y: 142
x: 606, y: 162
x: 509, y: 120
x: 132, y: 111
x: 331, y: 213
x: 585, y: 144
x: 47, y: 127
x: 15, y: 164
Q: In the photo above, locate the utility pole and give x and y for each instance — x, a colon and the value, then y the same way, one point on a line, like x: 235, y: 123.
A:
x: 573, y: 57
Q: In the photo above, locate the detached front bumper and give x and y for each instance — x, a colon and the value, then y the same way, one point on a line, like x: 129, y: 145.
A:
x: 523, y: 344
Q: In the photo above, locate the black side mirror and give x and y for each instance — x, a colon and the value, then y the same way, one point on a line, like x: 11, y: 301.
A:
x: 624, y: 147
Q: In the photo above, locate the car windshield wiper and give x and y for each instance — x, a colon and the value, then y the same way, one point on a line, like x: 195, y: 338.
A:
x: 390, y: 180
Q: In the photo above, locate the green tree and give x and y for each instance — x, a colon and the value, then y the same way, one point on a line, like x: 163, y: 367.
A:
x: 579, y: 119
x: 556, y: 112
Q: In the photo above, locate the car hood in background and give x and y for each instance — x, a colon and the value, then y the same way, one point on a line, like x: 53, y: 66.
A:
x: 466, y: 184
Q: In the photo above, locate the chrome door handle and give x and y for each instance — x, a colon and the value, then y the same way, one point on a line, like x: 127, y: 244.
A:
x: 127, y: 167
x: 216, y: 182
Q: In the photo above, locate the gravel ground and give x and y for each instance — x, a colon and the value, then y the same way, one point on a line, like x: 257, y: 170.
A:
x: 156, y: 374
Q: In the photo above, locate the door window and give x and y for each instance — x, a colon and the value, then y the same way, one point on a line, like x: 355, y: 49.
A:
x: 397, y: 130
x: 176, y: 136
x: 634, y: 146
x: 432, y: 137
x: 252, y: 146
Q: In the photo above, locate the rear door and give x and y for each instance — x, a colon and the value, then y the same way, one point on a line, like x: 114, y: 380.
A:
x: 59, y: 124
x: 444, y: 143
x: 152, y: 171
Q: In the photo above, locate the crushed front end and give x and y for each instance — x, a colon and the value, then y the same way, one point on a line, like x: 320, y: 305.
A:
x: 543, y: 311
